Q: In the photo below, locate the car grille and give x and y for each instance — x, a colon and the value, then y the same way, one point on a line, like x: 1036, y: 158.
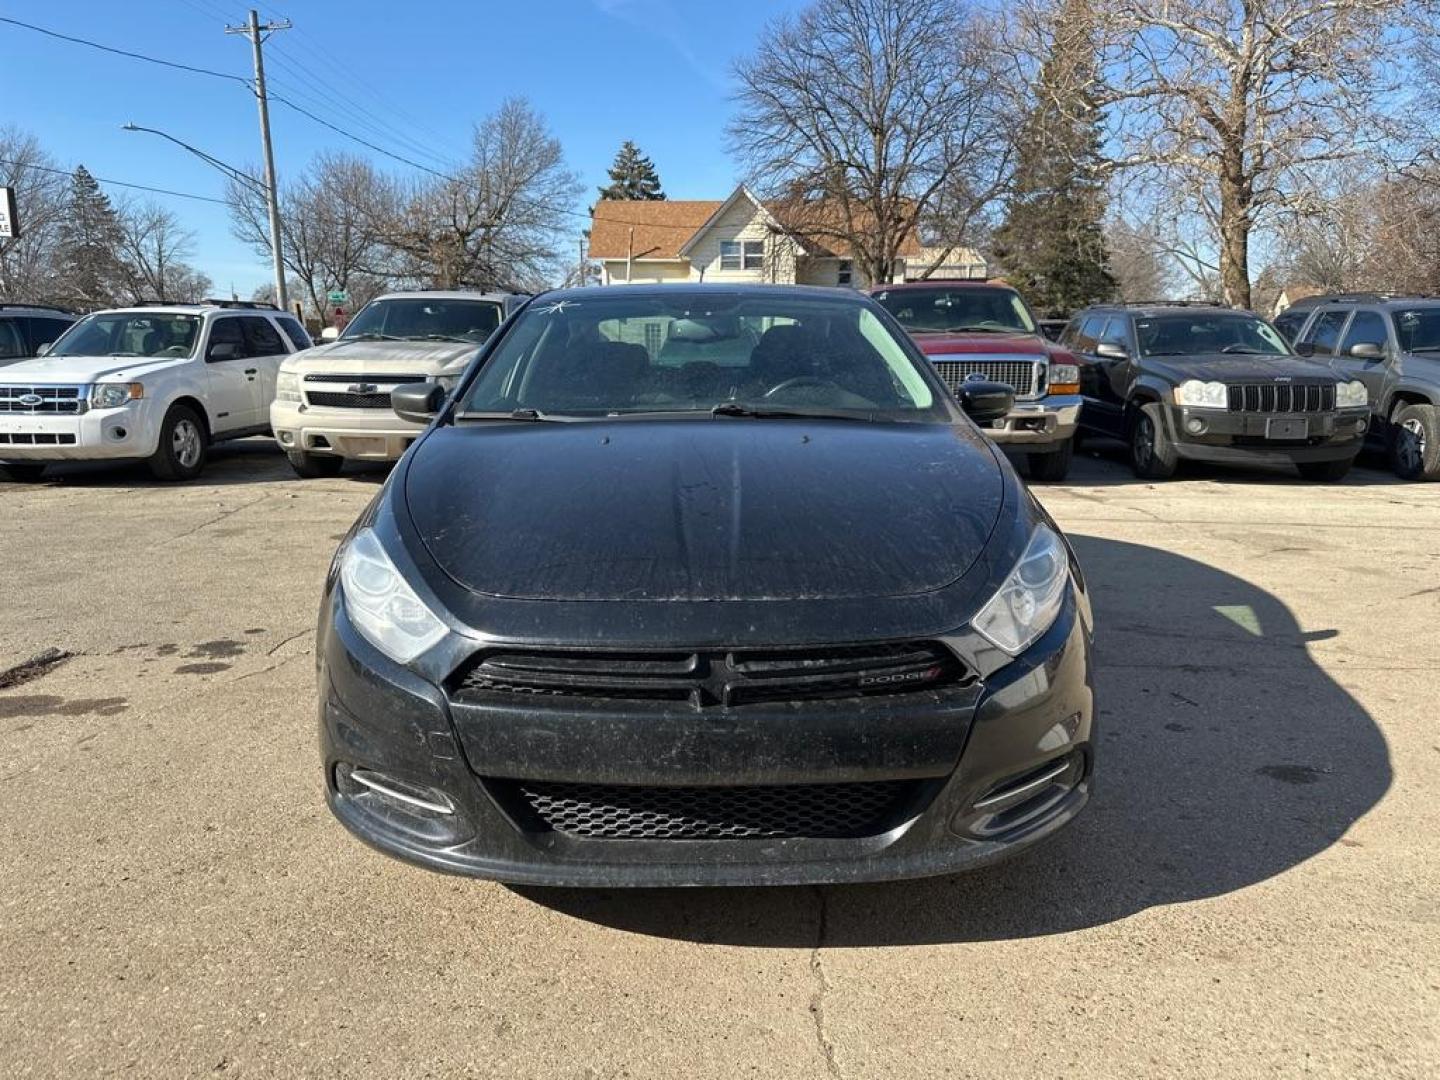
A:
x: 348, y: 401
x: 719, y: 678
x: 1281, y: 397
x: 36, y: 438
x: 634, y: 812
x: 68, y: 400
x: 379, y: 398
x: 1024, y: 376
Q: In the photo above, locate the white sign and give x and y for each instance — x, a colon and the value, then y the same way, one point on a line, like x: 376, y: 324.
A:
x: 9, y: 221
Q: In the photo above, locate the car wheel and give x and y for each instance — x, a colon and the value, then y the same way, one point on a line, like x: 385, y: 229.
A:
x: 182, y: 450
x: 314, y: 466
x: 1325, y: 471
x: 1053, y: 465
x: 23, y: 472
x: 1151, y: 455
x: 1415, y: 443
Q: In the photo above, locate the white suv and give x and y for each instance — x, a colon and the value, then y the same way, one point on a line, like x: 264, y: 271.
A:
x: 333, y: 401
x: 157, y: 383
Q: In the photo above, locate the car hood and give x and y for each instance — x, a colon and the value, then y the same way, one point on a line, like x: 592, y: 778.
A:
x: 989, y: 344
x: 1230, y: 367
x: 726, y: 509
x: 419, y: 358
x: 87, y: 369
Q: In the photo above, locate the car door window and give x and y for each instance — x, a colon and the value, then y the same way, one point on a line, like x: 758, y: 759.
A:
x: 12, y: 345
x: 1366, y: 328
x: 1324, y: 332
x: 227, y: 332
x: 1116, y: 332
x: 1089, y: 334
x: 295, y: 332
x: 1071, y: 332
x: 261, y: 337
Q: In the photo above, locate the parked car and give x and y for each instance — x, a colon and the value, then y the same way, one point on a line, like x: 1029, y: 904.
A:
x: 1290, y: 321
x: 26, y: 328
x: 974, y: 329
x: 157, y: 383
x: 1392, y: 345
x: 770, y: 618
x: 1181, y: 380
x: 333, y: 402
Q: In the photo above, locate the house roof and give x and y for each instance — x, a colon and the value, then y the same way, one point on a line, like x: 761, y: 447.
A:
x: 662, y: 226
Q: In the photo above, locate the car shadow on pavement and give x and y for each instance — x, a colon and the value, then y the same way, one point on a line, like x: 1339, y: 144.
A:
x: 1103, y: 462
x: 1226, y: 756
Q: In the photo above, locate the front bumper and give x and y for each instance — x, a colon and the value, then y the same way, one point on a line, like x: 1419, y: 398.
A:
x: 96, y: 435
x: 358, y: 434
x: 977, y: 757
x: 1250, y: 437
x: 1037, y: 425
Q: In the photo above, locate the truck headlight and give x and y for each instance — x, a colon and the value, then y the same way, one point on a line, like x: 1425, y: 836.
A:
x: 113, y: 395
x: 1026, y: 605
x: 1351, y: 395
x: 1205, y: 395
x: 380, y: 603
x: 287, y: 386
x: 1063, y: 379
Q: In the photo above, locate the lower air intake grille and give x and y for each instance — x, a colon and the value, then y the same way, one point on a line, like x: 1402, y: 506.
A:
x: 40, y: 438
x: 619, y: 812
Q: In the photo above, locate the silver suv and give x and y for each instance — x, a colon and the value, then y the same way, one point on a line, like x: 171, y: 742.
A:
x: 1392, y: 345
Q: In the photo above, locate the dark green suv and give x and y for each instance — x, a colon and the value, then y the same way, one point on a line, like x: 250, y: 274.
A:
x: 1179, y: 380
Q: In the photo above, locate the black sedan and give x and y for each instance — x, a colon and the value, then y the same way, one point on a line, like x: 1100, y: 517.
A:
x: 704, y: 585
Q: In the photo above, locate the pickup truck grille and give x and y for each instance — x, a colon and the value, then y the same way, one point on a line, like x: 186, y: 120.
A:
x: 1025, y: 376
x: 354, y: 391
x: 1281, y: 397
x: 65, y: 400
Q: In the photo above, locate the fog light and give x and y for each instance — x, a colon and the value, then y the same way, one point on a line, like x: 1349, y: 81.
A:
x: 118, y: 434
x: 1195, y: 426
x: 412, y: 797
x: 287, y: 438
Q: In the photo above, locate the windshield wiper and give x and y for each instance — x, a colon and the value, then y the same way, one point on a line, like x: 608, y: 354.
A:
x: 991, y: 330
x: 369, y: 335
x: 524, y: 415
x: 440, y: 337
x: 764, y: 412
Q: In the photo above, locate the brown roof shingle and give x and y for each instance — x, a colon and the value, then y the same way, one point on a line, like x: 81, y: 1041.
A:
x: 661, y: 226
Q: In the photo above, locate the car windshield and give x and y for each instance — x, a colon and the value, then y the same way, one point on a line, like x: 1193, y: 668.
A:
x: 705, y: 351
x: 130, y: 334
x: 941, y: 310
x: 426, y: 319
x: 1207, y: 333
x: 1418, y: 329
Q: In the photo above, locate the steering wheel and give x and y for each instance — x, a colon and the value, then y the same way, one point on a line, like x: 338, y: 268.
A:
x: 798, y: 381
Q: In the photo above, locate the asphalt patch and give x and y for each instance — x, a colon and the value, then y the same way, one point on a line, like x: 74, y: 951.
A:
x: 216, y: 650
x: 30, y: 670
x: 54, y: 705
x: 201, y: 669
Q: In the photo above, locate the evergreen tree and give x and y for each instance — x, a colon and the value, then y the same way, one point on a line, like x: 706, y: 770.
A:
x: 1052, y: 243
x: 89, y: 243
x: 632, y: 176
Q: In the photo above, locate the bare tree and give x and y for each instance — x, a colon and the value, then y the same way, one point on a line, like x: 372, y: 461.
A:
x: 1142, y: 269
x: 1236, y: 101
x: 500, y: 222
x: 864, y: 119
x: 29, y: 265
x: 153, y: 250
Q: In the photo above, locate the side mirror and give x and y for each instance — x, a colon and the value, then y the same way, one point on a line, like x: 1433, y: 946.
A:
x: 223, y: 350
x: 1367, y: 350
x: 986, y: 401
x: 1305, y: 348
x: 417, y: 402
x: 44, y: 350
x: 1111, y: 351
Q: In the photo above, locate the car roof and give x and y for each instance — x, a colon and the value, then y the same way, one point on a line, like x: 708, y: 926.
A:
x: 47, y: 309
x: 447, y: 294
x: 1386, y: 300
x: 1145, y: 308
x: 930, y: 283
x: 593, y: 292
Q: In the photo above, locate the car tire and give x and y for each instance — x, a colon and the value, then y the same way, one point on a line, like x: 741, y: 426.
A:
x: 314, y: 466
x: 1415, y: 442
x: 1053, y: 465
x: 1151, y: 455
x: 1325, y: 471
x: 24, y: 472
x: 183, y: 446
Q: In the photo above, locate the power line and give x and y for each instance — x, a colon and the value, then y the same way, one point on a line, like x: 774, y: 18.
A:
x: 126, y: 52
x: 116, y: 183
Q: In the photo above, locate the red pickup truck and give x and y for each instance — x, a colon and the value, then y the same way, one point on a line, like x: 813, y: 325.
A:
x: 984, y: 329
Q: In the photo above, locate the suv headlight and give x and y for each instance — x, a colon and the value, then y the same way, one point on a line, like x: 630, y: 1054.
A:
x: 1206, y: 395
x: 1026, y: 605
x: 113, y: 395
x: 287, y: 386
x: 1063, y: 379
x: 1351, y: 395
x: 382, y: 605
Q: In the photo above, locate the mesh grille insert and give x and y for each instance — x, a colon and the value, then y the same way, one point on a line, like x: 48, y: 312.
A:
x: 623, y: 812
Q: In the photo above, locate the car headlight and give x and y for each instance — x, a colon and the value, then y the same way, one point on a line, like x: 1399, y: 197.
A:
x: 1351, y: 395
x: 382, y: 606
x: 287, y: 386
x: 1206, y: 395
x: 113, y: 395
x: 1063, y: 379
x: 1027, y: 603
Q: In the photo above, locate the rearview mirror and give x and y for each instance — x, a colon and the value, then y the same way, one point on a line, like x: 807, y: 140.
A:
x: 986, y: 401
x: 1367, y: 350
x: 223, y: 350
x: 417, y: 402
x: 1111, y: 350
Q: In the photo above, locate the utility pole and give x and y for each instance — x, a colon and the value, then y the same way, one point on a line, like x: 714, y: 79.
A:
x: 257, y: 33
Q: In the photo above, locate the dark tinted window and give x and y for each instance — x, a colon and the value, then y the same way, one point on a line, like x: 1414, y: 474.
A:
x: 1366, y: 328
x: 1418, y: 329
x: 1324, y: 332
x: 45, y: 331
x: 1289, y: 322
x: 1090, y: 331
x: 1116, y: 332
x: 295, y: 332
x: 12, y: 343
x: 226, y: 332
x: 426, y: 318
x: 261, y: 337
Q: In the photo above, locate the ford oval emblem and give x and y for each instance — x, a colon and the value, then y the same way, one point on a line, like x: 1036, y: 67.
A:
x: 29, y: 400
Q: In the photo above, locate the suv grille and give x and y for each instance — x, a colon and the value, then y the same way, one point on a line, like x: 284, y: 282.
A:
x: 724, y: 678
x: 345, y: 398
x: 625, y: 812
x: 1281, y: 397
x: 53, y: 399
x: 1022, y: 375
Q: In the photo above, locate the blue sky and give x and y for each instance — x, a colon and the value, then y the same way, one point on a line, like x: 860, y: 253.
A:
x: 600, y: 71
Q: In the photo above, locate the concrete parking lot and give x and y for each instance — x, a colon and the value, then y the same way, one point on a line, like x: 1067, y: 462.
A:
x: 1254, y: 892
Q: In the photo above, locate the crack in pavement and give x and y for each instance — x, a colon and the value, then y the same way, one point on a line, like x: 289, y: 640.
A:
x: 218, y: 518
x: 292, y: 637
x: 822, y: 987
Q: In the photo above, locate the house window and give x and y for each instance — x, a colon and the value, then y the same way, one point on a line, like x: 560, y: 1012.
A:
x: 845, y: 275
x: 742, y: 254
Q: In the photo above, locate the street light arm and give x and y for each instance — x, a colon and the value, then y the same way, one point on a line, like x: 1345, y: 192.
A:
x: 228, y: 170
